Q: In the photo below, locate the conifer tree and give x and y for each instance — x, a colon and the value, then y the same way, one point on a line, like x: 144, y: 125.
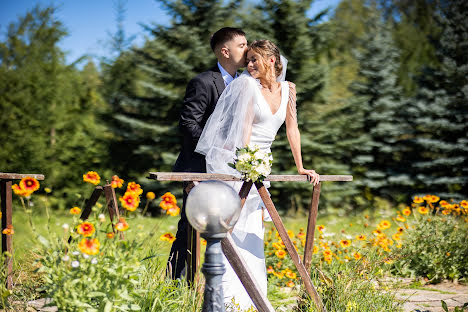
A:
x: 439, y: 112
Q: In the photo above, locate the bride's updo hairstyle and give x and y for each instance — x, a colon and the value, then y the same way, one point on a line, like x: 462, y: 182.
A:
x: 267, y: 49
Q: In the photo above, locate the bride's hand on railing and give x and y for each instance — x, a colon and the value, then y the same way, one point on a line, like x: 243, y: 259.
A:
x: 312, y: 176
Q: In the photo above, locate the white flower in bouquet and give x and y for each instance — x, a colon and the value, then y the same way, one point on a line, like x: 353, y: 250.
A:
x: 253, y: 164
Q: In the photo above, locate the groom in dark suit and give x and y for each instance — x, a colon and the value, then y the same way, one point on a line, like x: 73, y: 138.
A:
x: 202, y: 93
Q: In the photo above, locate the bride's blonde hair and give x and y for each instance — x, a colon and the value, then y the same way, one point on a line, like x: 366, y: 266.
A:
x: 267, y: 49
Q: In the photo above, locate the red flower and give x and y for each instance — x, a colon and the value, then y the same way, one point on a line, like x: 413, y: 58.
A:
x: 92, y: 177
x: 86, y: 229
x: 130, y: 201
x: 89, y: 246
x: 132, y: 187
x: 29, y: 184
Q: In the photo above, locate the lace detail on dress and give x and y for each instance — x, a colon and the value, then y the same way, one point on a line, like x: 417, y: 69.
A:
x: 292, y: 101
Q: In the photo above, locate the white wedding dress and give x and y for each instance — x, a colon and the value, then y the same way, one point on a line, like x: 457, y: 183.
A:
x: 248, y: 231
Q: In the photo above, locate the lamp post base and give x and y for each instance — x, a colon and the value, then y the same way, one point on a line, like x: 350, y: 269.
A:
x: 213, y: 269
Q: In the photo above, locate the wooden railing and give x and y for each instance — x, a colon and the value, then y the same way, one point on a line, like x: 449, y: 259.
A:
x: 229, y: 248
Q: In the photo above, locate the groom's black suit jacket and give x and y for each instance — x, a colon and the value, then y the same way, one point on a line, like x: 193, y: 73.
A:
x: 200, y: 99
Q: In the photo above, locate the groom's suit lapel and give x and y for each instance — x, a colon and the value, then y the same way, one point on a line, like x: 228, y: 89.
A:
x: 218, y: 80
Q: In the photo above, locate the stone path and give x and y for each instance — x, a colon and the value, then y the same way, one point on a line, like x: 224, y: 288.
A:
x: 428, y: 297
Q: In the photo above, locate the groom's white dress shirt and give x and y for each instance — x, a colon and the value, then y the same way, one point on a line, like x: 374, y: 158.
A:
x: 226, y: 76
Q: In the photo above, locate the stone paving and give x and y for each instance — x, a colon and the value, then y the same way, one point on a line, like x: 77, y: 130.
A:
x: 428, y: 298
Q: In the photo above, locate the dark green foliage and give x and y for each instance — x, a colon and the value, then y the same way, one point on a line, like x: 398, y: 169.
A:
x: 439, y: 111
x: 48, y: 109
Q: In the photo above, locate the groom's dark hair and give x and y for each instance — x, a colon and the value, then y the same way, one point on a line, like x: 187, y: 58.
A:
x: 224, y: 35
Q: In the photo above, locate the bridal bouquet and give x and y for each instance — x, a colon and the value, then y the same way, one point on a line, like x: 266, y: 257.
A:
x: 253, y: 164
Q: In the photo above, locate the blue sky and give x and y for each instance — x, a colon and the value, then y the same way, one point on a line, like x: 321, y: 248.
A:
x: 89, y: 22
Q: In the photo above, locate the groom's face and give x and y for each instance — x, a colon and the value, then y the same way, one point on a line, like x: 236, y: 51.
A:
x: 237, y: 48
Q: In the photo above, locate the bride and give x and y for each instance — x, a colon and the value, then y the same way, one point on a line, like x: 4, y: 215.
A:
x: 249, y: 112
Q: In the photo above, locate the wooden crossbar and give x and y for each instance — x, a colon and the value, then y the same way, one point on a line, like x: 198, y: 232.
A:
x: 190, y: 176
x: 231, y: 251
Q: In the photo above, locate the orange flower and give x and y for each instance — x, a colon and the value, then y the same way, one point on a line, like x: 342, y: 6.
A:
x: 132, y: 187
x: 279, y: 275
x: 357, y: 255
x: 116, y: 182
x: 301, y: 235
x: 396, y: 236
x: 445, y: 212
x: 29, y: 184
x: 19, y: 191
x: 315, y: 249
x: 122, y: 225
x: 75, y: 211
x: 328, y: 259
x: 89, y: 246
x: 423, y: 210
x: 130, y: 201
x: 427, y: 197
x: 418, y: 200
x: 110, y: 235
x: 400, y: 218
x: 464, y: 204
x: 384, y: 224
x: 167, y: 237
x: 327, y: 253
x: 406, y: 211
x: 173, y: 211
x: 150, y: 196
x: 203, y: 242
x: 8, y: 230
x: 92, y: 177
x: 443, y: 203
x: 270, y: 270
x: 291, y: 275
x: 434, y: 199
x: 345, y: 243
x: 290, y: 284
x: 168, y: 197
x: 361, y: 237
x: 320, y: 228
x: 86, y: 229
x: 400, y: 230
x: 280, y: 254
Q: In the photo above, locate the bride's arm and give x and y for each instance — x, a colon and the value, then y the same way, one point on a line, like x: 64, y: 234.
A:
x: 294, y: 137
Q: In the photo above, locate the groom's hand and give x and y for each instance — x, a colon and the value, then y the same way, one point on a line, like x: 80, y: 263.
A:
x: 312, y: 176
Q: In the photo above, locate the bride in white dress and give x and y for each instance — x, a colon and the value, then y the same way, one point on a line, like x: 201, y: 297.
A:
x: 249, y: 112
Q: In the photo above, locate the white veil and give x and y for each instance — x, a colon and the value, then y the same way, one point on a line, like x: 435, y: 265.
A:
x: 230, y: 124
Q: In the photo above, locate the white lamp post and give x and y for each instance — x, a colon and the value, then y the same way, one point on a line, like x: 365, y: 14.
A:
x: 213, y: 208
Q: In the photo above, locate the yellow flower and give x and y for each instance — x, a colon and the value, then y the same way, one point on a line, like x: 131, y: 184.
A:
x: 279, y: 275
x: 464, y: 204
x: 290, y: 284
x: 92, y: 177
x: 203, y: 242
x: 280, y: 254
x: 445, y: 212
x: 29, y: 184
x: 116, y: 182
x: 315, y: 249
x: 301, y: 235
x: 345, y: 243
x: 357, y: 255
x: 8, y: 230
x: 75, y: 211
x: 320, y: 228
x: 434, y: 199
x: 291, y: 275
x: 86, y: 229
x: 110, y: 235
x: 406, y: 211
x: 396, y: 236
x: 423, y: 210
x: 290, y: 234
x: 122, y: 225
x: 384, y: 224
x: 400, y: 230
x: 443, y: 203
x: 130, y: 201
x: 361, y: 237
x: 277, y: 246
x: 173, y: 211
x: 89, y: 246
x: 270, y: 270
x: 327, y: 253
x: 47, y: 190
x: 417, y: 200
x: 150, y: 196
x: 448, y: 254
x: 134, y: 188
x: 400, y: 219
x: 168, y: 197
x: 328, y: 259
x: 167, y: 237
x: 19, y: 191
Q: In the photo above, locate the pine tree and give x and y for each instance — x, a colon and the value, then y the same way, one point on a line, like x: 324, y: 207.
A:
x: 370, y: 128
x: 147, y: 95
x: 439, y: 112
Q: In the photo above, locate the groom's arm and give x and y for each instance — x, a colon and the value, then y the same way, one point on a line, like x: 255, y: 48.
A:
x: 196, y: 101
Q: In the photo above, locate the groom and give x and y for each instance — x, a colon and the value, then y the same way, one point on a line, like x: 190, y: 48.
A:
x: 230, y: 46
